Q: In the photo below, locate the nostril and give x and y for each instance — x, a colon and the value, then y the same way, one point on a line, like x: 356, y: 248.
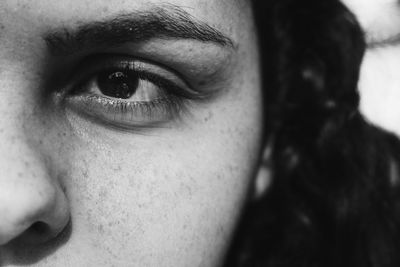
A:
x: 40, y: 228
x: 39, y: 232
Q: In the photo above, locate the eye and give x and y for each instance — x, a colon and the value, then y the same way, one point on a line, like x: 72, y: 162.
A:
x: 128, y: 93
x: 128, y: 85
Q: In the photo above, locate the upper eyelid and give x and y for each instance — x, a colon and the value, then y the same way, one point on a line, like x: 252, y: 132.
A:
x: 91, y: 64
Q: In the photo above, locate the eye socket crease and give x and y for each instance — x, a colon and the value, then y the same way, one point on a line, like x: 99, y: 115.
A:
x: 137, y: 27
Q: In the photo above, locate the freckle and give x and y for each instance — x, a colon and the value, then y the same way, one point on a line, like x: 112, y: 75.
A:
x: 209, y: 116
x: 117, y: 168
x: 100, y: 229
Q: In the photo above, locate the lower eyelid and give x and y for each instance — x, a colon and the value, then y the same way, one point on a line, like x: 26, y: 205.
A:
x: 126, y: 114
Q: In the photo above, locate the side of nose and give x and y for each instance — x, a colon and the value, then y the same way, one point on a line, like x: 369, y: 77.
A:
x: 33, y: 206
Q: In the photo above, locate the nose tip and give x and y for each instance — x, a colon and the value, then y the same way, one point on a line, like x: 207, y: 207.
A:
x: 32, y: 213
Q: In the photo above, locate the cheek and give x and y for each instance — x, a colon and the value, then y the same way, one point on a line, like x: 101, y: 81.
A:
x: 175, y: 193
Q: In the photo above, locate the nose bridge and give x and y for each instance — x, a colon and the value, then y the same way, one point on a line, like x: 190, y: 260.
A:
x: 22, y: 162
x: 21, y: 128
x: 18, y: 102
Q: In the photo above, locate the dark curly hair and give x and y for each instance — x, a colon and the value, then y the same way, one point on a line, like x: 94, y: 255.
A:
x: 334, y: 200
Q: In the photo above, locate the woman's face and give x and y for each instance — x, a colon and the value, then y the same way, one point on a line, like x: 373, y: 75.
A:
x: 130, y: 130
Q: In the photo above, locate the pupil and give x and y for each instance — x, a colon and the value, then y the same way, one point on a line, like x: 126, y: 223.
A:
x: 118, y: 84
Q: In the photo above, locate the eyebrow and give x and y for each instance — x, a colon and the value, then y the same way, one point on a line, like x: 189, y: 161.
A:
x: 169, y: 22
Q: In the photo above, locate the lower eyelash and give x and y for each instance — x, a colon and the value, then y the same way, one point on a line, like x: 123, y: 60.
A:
x: 126, y: 114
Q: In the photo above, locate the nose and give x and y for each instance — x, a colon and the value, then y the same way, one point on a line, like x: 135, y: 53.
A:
x: 33, y: 206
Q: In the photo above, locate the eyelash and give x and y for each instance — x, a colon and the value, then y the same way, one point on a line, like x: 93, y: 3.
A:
x: 169, y: 106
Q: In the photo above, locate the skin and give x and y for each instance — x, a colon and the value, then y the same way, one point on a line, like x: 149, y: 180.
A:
x: 163, y: 194
x: 379, y: 80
